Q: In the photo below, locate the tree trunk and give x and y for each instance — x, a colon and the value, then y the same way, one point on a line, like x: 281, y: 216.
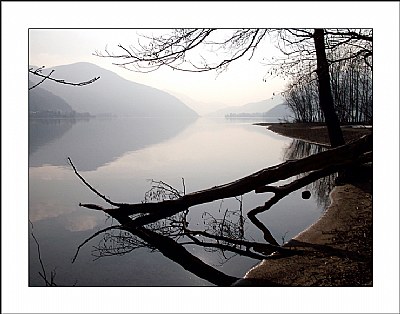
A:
x: 325, y: 93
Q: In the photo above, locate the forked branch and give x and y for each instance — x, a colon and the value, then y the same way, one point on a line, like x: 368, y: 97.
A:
x: 38, y: 72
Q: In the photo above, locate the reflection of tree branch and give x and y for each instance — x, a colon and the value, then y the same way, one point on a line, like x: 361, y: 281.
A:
x: 300, y: 149
x: 167, y: 246
x: 180, y: 255
x: 42, y: 274
x: 117, y: 244
x: 225, y: 226
x: 90, y: 238
x: 226, y: 235
x: 163, y: 235
x: 267, y: 234
x: 224, y: 247
x: 266, y: 248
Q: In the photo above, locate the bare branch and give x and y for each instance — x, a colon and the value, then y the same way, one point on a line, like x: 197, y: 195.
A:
x: 350, y: 34
x: 37, y: 72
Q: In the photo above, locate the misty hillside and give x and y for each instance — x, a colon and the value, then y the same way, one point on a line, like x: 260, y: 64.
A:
x: 280, y: 111
x: 254, y: 107
x: 112, y: 94
x: 41, y: 100
x: 201, y: 107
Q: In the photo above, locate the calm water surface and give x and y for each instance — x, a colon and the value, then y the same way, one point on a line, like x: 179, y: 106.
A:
x: 119, y: 157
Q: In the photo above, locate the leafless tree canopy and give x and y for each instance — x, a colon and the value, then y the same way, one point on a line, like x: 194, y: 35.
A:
x: 179, y: 49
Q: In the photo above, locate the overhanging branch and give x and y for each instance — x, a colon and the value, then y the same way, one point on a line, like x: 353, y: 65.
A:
x: 38, y: 71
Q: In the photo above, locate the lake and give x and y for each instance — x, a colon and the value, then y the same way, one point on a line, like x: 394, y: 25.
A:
x: 119, y: 157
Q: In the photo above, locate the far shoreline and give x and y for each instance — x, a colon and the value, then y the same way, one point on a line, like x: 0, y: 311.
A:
x: 315, y: 132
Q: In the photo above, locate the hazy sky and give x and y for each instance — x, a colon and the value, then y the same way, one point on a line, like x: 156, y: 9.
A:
x: 240, y: 84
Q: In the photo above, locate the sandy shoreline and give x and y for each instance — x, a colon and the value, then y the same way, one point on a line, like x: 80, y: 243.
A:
x: 337, y: 249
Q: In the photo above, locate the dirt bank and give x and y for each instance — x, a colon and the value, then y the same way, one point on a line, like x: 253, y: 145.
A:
x: 315, y: 132
x: 337, y: 249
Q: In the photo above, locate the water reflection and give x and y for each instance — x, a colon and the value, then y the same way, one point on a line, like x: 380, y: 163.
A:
x: 101, y: 140
x: 223, y: 234
x: 171, y: 237
x: 218, y: 233
x: 44, y: 131
x: 320, y: 188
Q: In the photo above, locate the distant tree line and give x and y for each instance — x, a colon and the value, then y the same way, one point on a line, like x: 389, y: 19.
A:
x: 351, y: 82
x: 247, y: 115
x: 58, y: 114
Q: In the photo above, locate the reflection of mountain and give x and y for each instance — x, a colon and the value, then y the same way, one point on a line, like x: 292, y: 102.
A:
x: 44, y: 131
x: 95, y: 142
x: 112, y: 94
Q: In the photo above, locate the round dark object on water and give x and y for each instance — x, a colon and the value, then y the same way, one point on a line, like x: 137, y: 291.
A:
x: 306, y: 195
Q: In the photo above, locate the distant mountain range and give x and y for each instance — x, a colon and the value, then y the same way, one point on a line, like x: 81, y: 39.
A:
x: 113, y: 95
x: 110, y: 95
x: 201, y: 107
x: 259, y: 107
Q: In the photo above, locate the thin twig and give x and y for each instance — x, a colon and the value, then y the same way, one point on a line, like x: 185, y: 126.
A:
x: 48, y: 77
x: 40, y: 257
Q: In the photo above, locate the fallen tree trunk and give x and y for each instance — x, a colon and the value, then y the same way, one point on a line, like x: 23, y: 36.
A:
x: 314, y: 167
x: 282, y: 191
x: 343, y: 155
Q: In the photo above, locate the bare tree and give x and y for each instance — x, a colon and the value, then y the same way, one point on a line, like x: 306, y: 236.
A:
x: 325, y: 91
x: 351, y: 83
x: 304, y: 53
